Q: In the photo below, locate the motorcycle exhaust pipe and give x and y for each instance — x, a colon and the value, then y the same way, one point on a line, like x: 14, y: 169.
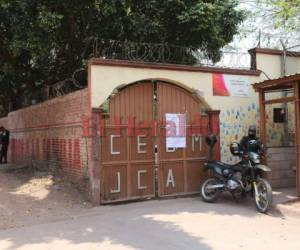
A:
x: 215, y: 186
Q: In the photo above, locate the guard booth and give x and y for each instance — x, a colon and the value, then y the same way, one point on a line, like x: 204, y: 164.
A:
x: 280, y: 128
x: 136, y: 161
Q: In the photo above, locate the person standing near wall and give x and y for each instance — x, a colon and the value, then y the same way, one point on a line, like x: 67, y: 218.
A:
x: 4, y: 139
x: 251, y: 143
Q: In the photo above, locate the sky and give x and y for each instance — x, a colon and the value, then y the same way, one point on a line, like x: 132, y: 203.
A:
x: 257, y: 30
x: 261, y: 23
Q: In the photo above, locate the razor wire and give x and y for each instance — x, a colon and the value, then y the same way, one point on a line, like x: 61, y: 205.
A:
x: 149, y: 53
x: 166, y: 53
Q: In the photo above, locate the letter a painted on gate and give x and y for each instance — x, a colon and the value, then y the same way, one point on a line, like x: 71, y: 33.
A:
x: 170, y: 179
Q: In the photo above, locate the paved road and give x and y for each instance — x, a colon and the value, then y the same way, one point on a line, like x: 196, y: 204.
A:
x: 185, y: 223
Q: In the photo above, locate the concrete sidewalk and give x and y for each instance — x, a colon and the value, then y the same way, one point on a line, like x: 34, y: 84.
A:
x: 287, y: 202
x: 284, y: 195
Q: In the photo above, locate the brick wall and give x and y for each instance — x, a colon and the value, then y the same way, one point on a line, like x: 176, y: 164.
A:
x: 49, y: 134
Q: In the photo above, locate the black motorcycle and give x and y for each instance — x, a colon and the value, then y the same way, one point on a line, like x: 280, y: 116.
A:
x: 239, y: 179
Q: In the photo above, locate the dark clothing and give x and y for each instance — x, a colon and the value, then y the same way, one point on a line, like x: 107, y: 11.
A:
x: 251, y: 145
x: 4, y: 139
x: 3, y: 154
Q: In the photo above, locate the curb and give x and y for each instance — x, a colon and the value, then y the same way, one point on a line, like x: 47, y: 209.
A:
x: 11, y: 167
x: 287, y: 209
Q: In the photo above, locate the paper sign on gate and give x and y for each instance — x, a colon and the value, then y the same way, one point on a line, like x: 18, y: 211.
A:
x: 175, y: 130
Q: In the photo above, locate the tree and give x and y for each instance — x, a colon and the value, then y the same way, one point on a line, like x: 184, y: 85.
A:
x: 287, y: 13
x: 43, y: 41
x: 265, y: 26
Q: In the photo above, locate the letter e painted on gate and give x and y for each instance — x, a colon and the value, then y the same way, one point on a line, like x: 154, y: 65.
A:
x: 170, y: 150
x: 141, y: 144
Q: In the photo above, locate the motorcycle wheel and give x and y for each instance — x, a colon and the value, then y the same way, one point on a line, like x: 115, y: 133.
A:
x: 263, y: 198
x: 209, y: 195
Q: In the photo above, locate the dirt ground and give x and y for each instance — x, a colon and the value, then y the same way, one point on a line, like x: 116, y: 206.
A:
x: 39, y: 211
x: 184, y: 223
x: 31, y: 197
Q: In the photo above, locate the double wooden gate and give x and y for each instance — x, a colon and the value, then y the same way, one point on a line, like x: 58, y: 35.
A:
x: 135, y: 162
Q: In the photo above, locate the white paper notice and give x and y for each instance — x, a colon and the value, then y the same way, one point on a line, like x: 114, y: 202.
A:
x: 230, y: 85
x: 175, y: 131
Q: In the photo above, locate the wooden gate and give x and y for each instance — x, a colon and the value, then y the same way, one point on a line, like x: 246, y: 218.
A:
x: 180, y: 170
x: 135, y: 162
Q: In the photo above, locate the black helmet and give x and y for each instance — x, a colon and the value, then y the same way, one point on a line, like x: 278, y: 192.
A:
x: 252, y: 132
x: 235, y: 148
x: 211, y: 140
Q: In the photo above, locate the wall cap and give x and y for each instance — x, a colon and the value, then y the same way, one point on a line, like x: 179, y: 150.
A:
x: 175, y: 67
x: 275, y: 52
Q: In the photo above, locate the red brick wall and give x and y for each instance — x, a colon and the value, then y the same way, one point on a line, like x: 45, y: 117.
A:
x: 50, y: 134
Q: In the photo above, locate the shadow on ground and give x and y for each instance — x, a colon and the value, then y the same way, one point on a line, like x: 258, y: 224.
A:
x: 30, y: 197
x: 137, y: 225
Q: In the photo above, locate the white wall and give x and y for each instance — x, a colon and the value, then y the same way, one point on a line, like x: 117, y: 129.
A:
x: 104, y: 79
x: 237, y: 113
x: 272, y: 65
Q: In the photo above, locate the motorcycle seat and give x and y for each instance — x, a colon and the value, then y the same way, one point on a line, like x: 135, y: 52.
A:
x: 222, y: 164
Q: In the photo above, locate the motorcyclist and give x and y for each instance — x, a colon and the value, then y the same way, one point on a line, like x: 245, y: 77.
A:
x: 251, y: 143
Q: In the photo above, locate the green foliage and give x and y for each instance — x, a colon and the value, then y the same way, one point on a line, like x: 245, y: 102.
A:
x: 43, y: 41
x: 287, y: 13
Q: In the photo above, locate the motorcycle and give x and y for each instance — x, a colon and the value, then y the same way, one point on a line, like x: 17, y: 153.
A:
x: 239, y: 179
